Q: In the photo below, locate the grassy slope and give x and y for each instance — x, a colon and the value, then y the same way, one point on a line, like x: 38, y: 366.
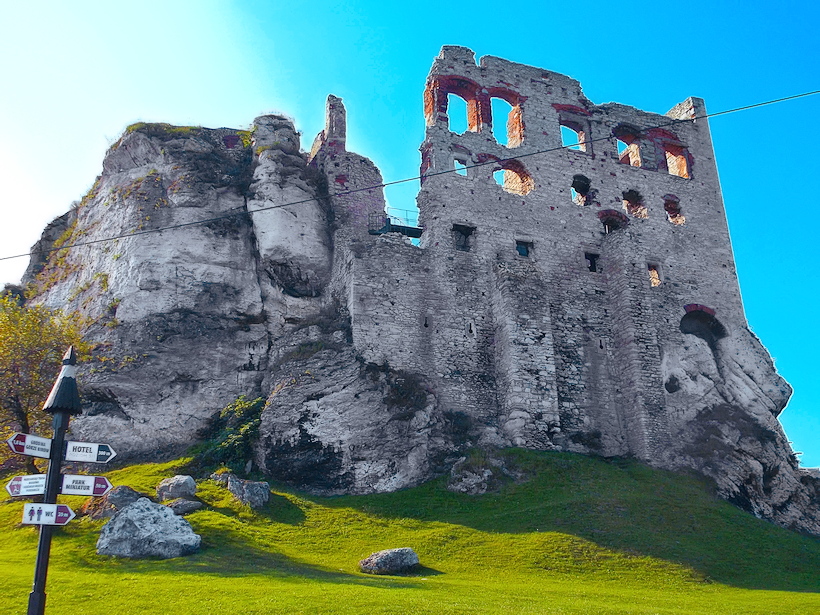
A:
x: 581, y: 536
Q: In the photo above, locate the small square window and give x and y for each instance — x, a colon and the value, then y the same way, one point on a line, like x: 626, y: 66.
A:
x: 592, y: 261
x: 524, y: 248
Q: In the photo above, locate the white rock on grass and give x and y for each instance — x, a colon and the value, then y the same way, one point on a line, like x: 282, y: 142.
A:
x: 147, y: 530
x: 179, y: 486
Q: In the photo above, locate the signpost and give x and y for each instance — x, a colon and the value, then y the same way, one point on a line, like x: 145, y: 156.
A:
x: 73, y: 484
x: 47, y: 514
x: 62, y: 402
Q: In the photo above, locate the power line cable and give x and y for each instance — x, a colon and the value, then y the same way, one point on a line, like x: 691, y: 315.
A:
x: 405, y: 180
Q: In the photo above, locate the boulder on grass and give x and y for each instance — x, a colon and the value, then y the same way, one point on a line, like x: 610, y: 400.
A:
x: 179, y: 486
x: 147, y: 530
x: 183, y: 507
x: 108, y: 505
x: 390, y: 561
x: 254, y: 494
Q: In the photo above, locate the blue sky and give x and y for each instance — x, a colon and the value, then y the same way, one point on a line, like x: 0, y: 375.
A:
x: 74, y: 75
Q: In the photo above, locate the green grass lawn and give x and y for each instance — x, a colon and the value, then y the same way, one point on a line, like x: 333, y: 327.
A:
x: 582, y: 535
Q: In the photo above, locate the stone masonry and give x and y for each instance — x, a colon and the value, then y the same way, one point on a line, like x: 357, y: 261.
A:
x: 573, y: 289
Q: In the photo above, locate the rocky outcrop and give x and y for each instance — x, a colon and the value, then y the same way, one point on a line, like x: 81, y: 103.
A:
x: 252, y: 493
x: 144, y: 530
x: 112, y: 502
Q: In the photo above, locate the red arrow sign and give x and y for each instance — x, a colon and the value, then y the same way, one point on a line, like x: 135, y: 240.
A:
x: 47, y: 514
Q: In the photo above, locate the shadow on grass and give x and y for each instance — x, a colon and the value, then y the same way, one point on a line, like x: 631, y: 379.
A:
x: 621, y: 505
x: 225, y: 555
x: 279, y: 509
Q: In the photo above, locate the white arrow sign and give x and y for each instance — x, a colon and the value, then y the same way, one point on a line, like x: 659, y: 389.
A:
x: 34, y: 484
x: 33, y: 446
x: 75, y: 484
x: 47, y: 514
x: 89, y: 451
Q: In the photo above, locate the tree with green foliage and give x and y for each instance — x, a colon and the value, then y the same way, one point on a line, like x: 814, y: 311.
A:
x: 33, y: 340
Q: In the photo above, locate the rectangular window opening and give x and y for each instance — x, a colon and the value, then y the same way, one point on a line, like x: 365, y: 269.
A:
x: 524, y: 248
x: 463, y: 237
x: 654, y: 275
x: 460, y: 167
x: 592, y: 261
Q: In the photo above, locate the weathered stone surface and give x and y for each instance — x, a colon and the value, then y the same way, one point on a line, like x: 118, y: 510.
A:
x: 145, y: 530
x: 476, y: 476
x: 179, y: 486
x: 390, y: 561
x: 183, y: 507
x: 106, y: 506
x: 589, y: 304
x: 253, y: 493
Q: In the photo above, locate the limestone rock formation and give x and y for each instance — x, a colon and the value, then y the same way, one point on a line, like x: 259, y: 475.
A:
x: 253, y: 493
x: 144, y: 529
x: 112, y: 502
x: 588, y: 303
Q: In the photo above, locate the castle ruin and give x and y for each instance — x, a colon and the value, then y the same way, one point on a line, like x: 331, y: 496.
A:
x: 571, y: 289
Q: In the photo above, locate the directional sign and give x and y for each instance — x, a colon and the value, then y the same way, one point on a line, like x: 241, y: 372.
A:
x: 88, y: 451
x: 33, y: 446
x: 74, y: 484
x: 47, y: 514
x: 34, y: 484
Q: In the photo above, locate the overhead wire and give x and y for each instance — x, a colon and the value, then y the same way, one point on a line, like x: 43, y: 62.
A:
x: 245, y: 211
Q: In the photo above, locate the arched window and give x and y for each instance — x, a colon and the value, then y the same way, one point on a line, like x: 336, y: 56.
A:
x: 627, y: 140
x: 516, y: 179
x: 579, y: 189
x: 573, y: 135
x: 671, y: 205
x: 633, y: 204
x: 612, y: 220
x: 507, y: 116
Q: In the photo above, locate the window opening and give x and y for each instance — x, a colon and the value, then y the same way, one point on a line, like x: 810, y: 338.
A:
x: 523, y: 248
x: 460, y: 167
x: 673, y: 212
x: 457, y: 113
x: 514, y: 178
x: 627, y: 143
x: 463, y: 237
x: 676, y: 160
x: 580, y: 189
x: 612, y: 220
x: 573, y: 136
x: 592, y: 261
x: 654, y: 275
x: 502, y: 115
x: 633, y: 204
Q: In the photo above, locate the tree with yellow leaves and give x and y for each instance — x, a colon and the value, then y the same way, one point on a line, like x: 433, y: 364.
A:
x: 32, y: 342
